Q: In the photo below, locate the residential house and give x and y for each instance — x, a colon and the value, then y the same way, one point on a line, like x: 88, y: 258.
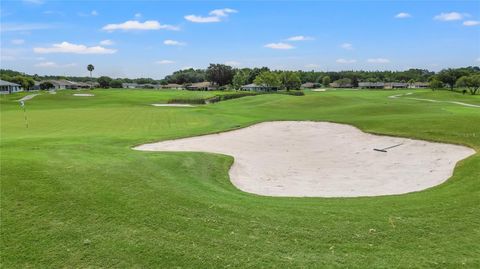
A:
x: 396, y: 85
x: 419, y: 85
x: 172, y: 86
x: 9, y: 87
x: 340, y: 85
x: 371, y: 85
x: 310, y: 85
x: 201, y: 86
x: 259, y: 88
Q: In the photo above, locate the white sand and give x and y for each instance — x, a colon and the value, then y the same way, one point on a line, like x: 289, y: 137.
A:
x: 319, y: 90
x: 173, y: 105
x: 83, y: 94
x: 321, y: 159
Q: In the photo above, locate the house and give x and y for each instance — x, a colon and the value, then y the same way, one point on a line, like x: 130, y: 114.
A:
x: 63, y: 84
x: 201, y: 86
x: 371, y: 85
x: 172, y: 86
x: 130, y: 85
x: 83, y: 85
x: 309, y: 85
x: 396, y: 85
x: 9, y: 87
x: 259, y: 88
x: 340, y: 85
x: 419, y: 85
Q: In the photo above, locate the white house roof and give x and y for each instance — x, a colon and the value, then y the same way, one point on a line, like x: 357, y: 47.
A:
x: 6, y: 83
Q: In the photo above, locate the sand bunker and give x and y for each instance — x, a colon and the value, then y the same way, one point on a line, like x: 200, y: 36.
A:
x: 174, y: 105
x: 320, y: 159
x: 319, y: 90
x: 83, y: 94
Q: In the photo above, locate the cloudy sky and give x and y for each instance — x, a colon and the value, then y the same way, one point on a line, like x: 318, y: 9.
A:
x: 154, y: 38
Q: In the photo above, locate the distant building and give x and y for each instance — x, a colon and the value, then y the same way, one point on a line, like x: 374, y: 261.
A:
x: 9, y: 87
x: 201, y: 86
x: 310, y: 85
x: 371, y: 85
x: 396, y: 85
x: 64, y: 84
x: 419, y: 85
x: 258, y: 88
x: 172, y: 86
x: 342, y: 85
x: 129, y: 85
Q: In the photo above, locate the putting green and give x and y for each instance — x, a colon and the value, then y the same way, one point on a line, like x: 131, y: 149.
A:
x: 74, y: 193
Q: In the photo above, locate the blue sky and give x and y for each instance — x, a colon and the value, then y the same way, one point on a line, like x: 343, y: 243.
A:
x: 155, y: 38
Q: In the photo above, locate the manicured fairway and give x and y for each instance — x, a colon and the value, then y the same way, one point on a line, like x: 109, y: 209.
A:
x: 75, y: 195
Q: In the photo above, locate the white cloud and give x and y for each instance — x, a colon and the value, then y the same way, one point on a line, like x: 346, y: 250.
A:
x: 200, y: 19
x: 346, y: 61
x: 170, y: 42
x: 346, y: 46
x: 66, y: 47
x: 136, y: 25
x: 14, y: 27
x: 216, y: 15
x: 91, y: 13
x: 53, y: 64
x: 300, y: 38
x: 138, y: 15
x: 403, y: 15
x: 107, y: 42
x: 450, y: 16
x: 471, y: 23
x: 232, y: 63
x: 222, y: 12
x: 279, y: 46
x: 378, y: 60
x: 36, y: 2
x: 164, y: 62
x: 18, y: 41
x: 312, y: 66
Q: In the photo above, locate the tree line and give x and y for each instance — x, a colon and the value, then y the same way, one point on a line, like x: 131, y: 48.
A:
x: 228, y: 77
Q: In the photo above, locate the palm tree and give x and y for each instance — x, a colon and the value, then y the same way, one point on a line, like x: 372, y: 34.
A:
x: 90, y: 68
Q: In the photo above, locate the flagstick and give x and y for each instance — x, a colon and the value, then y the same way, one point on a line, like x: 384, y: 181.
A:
x: 24, y: 113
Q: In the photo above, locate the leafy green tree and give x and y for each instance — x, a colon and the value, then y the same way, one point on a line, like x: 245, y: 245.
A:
x: 255, y: 72
x: 290, y: 80
x: 26, y: 82
x: 240, y: 78
x: 116, y: 83
x: 435, y: 84
x: 472, y: 83
x: 269, y: 79
x: 326, y: 81
x: 343, y: 82
x: 46, y: 85
x: 104, y: 81
x: 220, y: 74
x: 450, y: 76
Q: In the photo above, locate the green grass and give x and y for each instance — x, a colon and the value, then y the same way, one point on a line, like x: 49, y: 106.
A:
x: 75, y: 195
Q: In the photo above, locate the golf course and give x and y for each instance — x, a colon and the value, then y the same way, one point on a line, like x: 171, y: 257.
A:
x: 75, y: 193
